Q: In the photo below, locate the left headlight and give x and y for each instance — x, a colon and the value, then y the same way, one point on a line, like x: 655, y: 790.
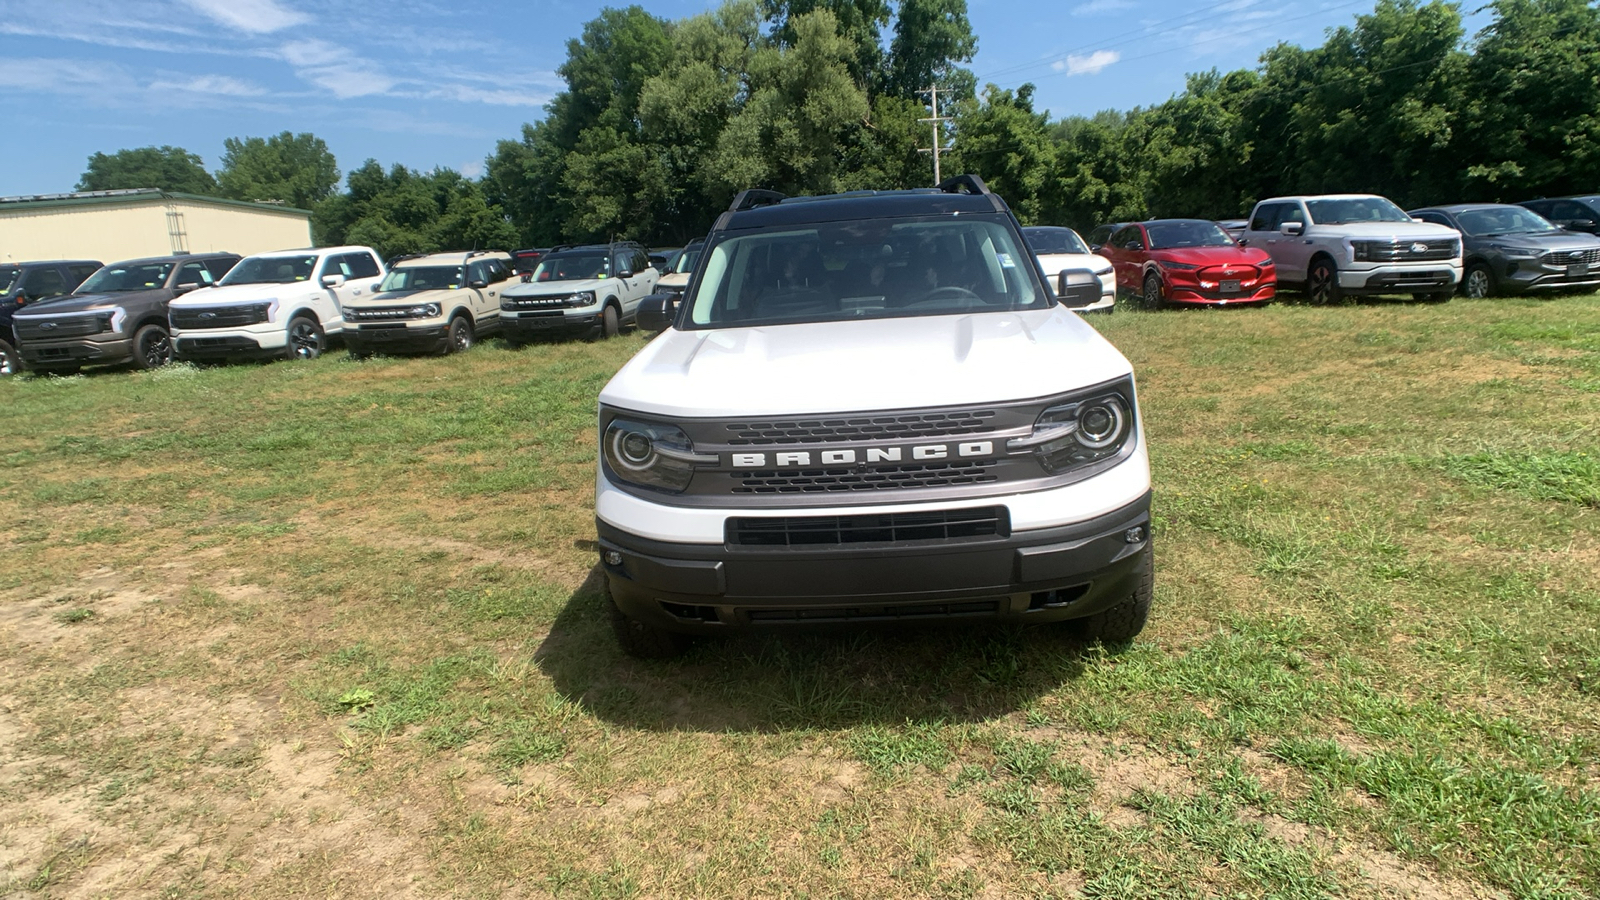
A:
x: 423, y: 311
x: 651, y: 455
x: 1520, y: 253
x: 1080, y: 432
x: 1174, y: 264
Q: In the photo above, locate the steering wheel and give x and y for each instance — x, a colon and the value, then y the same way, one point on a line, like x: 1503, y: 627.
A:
x: 948, y: 292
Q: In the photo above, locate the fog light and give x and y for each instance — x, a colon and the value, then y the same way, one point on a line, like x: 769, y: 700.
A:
x: 1134, y: 535
x: 612, y: 558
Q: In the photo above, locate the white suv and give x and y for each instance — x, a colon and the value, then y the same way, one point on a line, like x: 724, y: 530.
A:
x: 592, y: 290
x: 437, y: 302
x: 870, y: 408
x: 281, y: 304
x: 1341, y: 244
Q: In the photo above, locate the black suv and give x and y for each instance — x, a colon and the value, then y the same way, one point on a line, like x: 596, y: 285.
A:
x: 118, y: 315
x: 32, y: 282
x: 1572, y: 213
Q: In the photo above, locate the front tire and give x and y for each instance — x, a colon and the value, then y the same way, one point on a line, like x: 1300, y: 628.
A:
x: 10, y: 363
x: 610, y: 322
x: 1322, y: 283
x: 1123, y: 622
x: 306, y: 340
x: 1478, y: 283
x: 642, y: 641
x: 152, y: 347
x: 1152, y: 292
x: 461, y: 336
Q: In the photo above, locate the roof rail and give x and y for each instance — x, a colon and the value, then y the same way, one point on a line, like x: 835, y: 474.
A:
x: 389, y: 263
x: 972, y: 183
x: 754, y: 197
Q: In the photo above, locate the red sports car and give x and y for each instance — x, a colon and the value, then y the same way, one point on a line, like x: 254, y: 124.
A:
x: 1188, y: 261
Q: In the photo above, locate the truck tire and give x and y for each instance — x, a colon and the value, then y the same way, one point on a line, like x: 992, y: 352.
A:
x: 1123, y: 622
x: 10, y: 363
x: 1322, y: 283
x: 460, y: 337
x: 306, y: 340
x: 642, y: 641
x: 152, y: 347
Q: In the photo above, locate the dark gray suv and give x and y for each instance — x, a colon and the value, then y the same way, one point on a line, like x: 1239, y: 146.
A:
x: 1512, y: 250
x: 32, y: 282
x: 118, y: 315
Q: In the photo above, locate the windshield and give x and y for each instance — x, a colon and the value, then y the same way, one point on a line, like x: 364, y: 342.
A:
x: 865, y: 269
x: 1497, y: 220
x: 1054, y: 240
x: 686, y: 260
x: 422, y: 278
x: 270, y: 270
x: 115, y: 279
x: 573, y: 267
x: 1172, y: 235
x: 8, y: 278
x: 1354, y: 209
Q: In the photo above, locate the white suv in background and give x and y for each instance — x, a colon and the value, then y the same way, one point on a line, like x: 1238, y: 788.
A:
x: 281, y: 304
x: 435, y: 303
x: 591, y: 290
x: 1341, y: 244
x: 1059, y: 250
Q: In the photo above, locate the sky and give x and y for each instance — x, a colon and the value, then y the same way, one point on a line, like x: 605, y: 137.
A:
x: 431, y: 84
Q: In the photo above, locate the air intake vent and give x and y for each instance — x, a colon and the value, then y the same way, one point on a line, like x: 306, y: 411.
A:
x: 834, y: 531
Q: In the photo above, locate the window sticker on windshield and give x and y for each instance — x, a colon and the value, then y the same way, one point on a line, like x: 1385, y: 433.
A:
x: 1005, y: 261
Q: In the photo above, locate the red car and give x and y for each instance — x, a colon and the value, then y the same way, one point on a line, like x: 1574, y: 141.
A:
x: 1188, y: 261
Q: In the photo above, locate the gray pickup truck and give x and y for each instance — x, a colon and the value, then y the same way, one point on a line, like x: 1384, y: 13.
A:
x: 118, y: 315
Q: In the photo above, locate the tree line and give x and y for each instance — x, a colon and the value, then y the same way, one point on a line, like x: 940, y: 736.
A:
x: 663, y: 121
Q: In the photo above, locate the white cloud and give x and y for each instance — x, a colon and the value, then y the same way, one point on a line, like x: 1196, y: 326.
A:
x: 492, y: 97
x: 220, y: 85
x: 1096, y: 7
x: 253, y: 16
x: 471, y: 169
x: 1086, y: 65
x: 335, y: 69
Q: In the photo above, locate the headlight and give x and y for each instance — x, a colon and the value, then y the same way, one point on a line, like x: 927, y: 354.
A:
x: 651, y: 455
x: 581, y: 298
x: 1079, y: 433
x: 1170, y: 264
x: 423, y: 311
x: 1266, y: 263
x: 1520, y: 253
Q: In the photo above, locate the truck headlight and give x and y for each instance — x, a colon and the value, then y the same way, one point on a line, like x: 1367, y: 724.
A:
x: 423, y: 311
x: 581, y: 298
x: 1079, y: 433
x: 651, y: 455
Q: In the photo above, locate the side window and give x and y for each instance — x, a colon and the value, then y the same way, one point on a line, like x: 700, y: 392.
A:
x: 361, y: 265
x: 1567, y: 211
x: 1129, y: 238
x: 641, y: 261
x: 1435, y: 218
x: 219, y: 266
x: 330, y: 266
x: 1266, y: 217
x: 499, y: 270
x: 193, y: 273
x: 43, y: 283
x: 477, y: 271
x: 1292, y: 212
x: 80, y: 272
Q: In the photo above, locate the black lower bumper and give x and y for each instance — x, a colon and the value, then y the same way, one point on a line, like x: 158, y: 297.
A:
x: 230, y: 347
x: 1402, y: 282
x: 64, y: 354
x: 1031, y: 576
x: 526, y: 327
x: 426, y: 339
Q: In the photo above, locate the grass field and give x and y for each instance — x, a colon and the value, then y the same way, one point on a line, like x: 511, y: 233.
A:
x: 331, y: 629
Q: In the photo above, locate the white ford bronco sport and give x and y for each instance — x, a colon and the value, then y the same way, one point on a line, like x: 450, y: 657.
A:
x: 435, y: 302
x: 1341, y: 244
x: 870, y: 407
x: 592, y: 290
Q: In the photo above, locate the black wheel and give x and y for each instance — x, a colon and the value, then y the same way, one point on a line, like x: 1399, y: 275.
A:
x: 642, y: 641
x: 610, y: 324
x: 9, y: 363
x: 461, y: 336
x: 1322, y: 283
x: 1478, y: 282
x: 1152, y: 291
x: 306, y: 340
x: 1124, y: 621
x: 152, y: 347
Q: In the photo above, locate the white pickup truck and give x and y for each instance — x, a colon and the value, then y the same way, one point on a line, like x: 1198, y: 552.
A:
x: 282, y: 304
x: 871, y: 408
x: 1336, y: 245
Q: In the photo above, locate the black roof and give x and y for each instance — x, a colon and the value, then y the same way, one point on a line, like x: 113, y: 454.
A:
x: 762, y: 209
x: 53, y: 262
x: 175, y: 257
x: 590, y: 248
x: 1459, y: 207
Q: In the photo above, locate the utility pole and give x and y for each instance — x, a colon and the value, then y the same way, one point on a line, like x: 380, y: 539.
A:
x: 938, y: 138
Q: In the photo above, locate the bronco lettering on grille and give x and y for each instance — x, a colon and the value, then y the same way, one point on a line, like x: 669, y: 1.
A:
x: 864, y: 455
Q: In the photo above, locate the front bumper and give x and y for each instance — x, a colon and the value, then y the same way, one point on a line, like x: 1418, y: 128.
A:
x: 534, y: 324
x: 1434, y: 276
x: 1520, y: 275
x: 1192, y: 295
x: 1040, y: 575
x: 204, y: 345
x: 78, y: 352
x: 402, y: 338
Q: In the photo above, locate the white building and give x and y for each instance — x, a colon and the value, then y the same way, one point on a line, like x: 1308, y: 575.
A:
x: 115, y: 225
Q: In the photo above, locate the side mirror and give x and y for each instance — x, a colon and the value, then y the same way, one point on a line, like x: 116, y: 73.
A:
x: 1096, y: 248
x: 1580, y: 225
x: 1292, y: 228
x: 1077, y: 288
x: 624, y: 272
x: 478, y: 283
x: 182, y: 289
x: 657, y: 312
x: 332, y: 281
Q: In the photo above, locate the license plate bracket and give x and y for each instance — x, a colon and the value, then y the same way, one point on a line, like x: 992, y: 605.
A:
x: 1230, y: 287
x: 1578, y: 270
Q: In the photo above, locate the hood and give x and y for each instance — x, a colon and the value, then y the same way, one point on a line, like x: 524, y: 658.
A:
x: 402, y: 298
x: 864, y: 365
x: 73, y: 303
x: 1052, y: 263
x: 243, y: 293
x: 1213, y: 256
x: 1399, y: 231
x: 553, y: 288
x: 1544, y: 243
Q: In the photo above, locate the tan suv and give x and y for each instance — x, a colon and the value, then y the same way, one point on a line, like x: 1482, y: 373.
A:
x: 430, y: 303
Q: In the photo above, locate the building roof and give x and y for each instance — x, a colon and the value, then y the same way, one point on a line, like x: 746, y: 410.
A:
x: 135, y: 195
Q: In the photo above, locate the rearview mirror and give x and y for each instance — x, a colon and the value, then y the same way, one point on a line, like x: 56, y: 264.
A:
x: 657, y: 312
x: 1292, y: 228
x: 332, y: 281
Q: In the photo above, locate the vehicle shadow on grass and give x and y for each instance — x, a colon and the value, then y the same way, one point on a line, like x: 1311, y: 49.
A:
x: 890, y: 675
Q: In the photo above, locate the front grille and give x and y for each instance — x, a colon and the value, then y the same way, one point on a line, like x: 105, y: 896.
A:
x: 378, y: 314
x: 64, y: 327
x: 1564, y: 257
x: 1402, y: 251
x: 883, y: 478
x: 1241, y: 274
x: 834, y: 531
x: 557, y: 302
x: 816, y: 431
x: 195, y: 317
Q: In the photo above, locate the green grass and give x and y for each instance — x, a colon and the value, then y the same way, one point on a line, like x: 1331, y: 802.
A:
x: 347, y: 610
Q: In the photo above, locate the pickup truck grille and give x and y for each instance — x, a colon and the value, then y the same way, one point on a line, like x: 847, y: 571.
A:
x: 196, y: 317
x: 861, y: 428
x: 833, y: 531
x: 63, y: 327
x: 1407, y: 251
x: 1567, y: 257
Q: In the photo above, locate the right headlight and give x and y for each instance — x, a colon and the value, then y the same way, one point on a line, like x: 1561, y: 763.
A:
x: 651, y: 454
x: 1079, y: 433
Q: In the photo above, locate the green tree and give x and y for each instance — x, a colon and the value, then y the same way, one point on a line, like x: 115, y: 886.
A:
x: 860, y: 22
x: 1002, y: 140
x: 931, y: 38
x: 405, y: 211
x: 297, y: 169
x: 167, y: 168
